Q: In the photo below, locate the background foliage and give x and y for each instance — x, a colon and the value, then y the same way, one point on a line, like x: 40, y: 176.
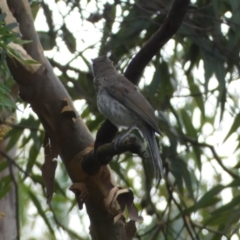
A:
x: 192, y: 84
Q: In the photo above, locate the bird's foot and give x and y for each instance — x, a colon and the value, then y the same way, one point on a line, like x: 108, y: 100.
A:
x: 120, y: 137
x: 118, y: 140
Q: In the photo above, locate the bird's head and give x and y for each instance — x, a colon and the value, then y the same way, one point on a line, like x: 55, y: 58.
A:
x: 102, y: 66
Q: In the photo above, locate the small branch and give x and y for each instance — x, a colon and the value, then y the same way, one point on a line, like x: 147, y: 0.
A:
x: 201, y: 227
x: 130, y: 144
x: 195, y: 94
x: 104, y: 154
x: 180, y: 210
x: 19, y: 168
x: 70, y: 232
x: 218, y: 159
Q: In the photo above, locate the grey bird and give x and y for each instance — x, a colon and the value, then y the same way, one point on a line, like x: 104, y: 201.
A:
x: 120, y: 101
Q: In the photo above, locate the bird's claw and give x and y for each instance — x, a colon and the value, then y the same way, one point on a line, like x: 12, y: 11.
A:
x: 120, y: 137
x: 117, y: 140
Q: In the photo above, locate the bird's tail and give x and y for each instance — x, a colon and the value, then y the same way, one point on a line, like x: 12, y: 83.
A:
x: 149, y: 135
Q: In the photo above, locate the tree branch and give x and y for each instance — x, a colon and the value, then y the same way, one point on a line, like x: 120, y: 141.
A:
x: 130, y: 144
x: 215, y: 155
x: 169, y: 27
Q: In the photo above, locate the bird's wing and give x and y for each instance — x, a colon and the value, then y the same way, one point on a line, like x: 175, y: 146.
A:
x: 127, y: 93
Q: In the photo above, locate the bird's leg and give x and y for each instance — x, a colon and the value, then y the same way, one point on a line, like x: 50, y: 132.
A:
x: 120, y: 137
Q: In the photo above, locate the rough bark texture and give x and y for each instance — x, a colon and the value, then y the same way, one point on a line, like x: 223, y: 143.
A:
x: 66, y: 130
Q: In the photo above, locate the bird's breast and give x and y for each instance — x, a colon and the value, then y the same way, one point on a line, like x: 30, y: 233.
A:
x: 116, y: 112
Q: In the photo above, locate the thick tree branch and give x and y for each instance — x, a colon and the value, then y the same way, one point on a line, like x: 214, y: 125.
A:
x: 130, y: 143
x: 169, y: 27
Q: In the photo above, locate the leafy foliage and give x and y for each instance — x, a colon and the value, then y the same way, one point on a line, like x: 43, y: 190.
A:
x: 193, y: 79
x: 7, y: 36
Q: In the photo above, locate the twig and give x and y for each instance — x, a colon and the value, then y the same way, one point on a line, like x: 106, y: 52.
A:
x: 195, y: 94
x: 180, y: 210
x: 218, y: 159
x: 71, y: 233
x: 131, y: 143
x: 18, y: 167
x: 198, y: 225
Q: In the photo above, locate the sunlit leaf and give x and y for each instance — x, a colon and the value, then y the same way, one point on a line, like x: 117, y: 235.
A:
x: 234, y: 127
x: 13, y: 136
x: 233, y: 203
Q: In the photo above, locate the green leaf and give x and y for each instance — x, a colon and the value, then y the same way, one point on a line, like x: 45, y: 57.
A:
x: 47, y: 41
x: 210, y: 198
x: 2, y: 16
x: 194, y: 89
x: 4, y: 89
x: 191, y: 131
x: 192, y: 55
x: 216, y: 220
x: 69, y: 39
x: 220, y: 74
x: 161, y: 80
x: 29, y: 122
x: 187, y: 178
x: 234, y: 183
x: 41, y: 212
x: 3, y: 165
x: 35, y: 6
x: 34, y: 150
x: 13, y: 136
x: 208, y: 71
x: 176, y: 171
x: 5, y: 102
x: 235, y: 202
x: 234, y: 127
x: 25, y: 140
x: 197, y: 151
x: 3, y: 55
x: 10, y: 26
x: 207, y: 198
x: 5, y: 185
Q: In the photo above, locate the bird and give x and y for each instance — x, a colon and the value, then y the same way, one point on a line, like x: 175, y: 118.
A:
x: 123, y: 104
